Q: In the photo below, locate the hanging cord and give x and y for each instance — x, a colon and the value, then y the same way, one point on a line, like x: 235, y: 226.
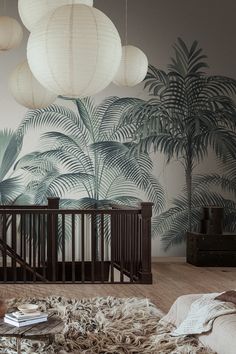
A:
x: 4, y: 7
x: 126, y: 22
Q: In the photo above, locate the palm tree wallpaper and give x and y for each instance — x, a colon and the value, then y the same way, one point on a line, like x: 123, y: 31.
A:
x: 96, y: 154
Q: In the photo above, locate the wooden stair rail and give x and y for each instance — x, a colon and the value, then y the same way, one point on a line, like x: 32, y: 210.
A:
x: 11, y: 253
x: 141, y: 236
x: 146, y: 252
x: 116, y: 240
x: 52, y: 239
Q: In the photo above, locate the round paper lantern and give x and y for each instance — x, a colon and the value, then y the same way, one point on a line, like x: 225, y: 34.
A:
x: 133, y: 67
x: 75, y: 51
x: 31, y: 11
x: 11, y: 33
x: 27, y: 91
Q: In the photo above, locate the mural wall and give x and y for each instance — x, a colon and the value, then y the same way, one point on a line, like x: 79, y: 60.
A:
x: 171, y: 140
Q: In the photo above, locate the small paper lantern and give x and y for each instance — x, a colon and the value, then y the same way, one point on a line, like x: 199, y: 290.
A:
x: 11, y: 33
x: 133, y: 67
x: 75, y: 51
x: 31, y: 11
x: 26, y: 90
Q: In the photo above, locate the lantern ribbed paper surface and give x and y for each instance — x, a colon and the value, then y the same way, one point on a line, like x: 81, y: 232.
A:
x: 11, y: 33
x: 133, y: 67
x: 31, y: 11
x: 26, y: 90
x: 75, y: 51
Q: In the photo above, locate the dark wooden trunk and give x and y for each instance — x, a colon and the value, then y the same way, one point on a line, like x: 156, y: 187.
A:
x: 211, y: 250
x: 212, y: 222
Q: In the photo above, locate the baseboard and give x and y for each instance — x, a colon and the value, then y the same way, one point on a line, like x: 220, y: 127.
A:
x: 168, y: 259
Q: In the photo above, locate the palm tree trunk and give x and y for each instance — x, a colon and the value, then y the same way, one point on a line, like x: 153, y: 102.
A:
x: 96, y: 196
x: 188, y: 178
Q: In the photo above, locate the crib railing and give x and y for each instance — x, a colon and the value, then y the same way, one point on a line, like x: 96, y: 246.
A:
x: 49, y: 244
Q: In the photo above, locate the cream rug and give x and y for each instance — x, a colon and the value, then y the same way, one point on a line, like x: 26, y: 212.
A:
x: 106, y: 326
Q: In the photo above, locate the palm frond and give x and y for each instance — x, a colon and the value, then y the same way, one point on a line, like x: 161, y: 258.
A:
x: 58, y: 117
x: 86, y: 109
x: 82, y: 203
x: 59, y: 141
x: 34, y: 162
x: 56, y: 185
x: 126, y: 200
x: 5, y: 138
x: 134, y: 168
x: 176, y: 234
x: 65, y: 160
x: 10, y: 189
x: 164, y: 143
x: 121, y: 133
x: 221, y: 140
x: 67, y: 182
x: 100, y: 112
x: 201, y: 182
x: 155, y: 193
x: 220, y: 85
x: 115, y: 114
x: 188, y: 61
x: 229, y: 166
x: 156, y: 80
x: 10, y: 154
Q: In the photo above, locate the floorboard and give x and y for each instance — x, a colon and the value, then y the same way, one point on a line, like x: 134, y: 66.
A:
x: 170, y: 280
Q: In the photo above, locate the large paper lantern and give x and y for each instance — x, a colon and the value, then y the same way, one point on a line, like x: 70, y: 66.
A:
x: 75, y: 51
x: 133, y: 67
x: 26, y: 90
x: 31, y: 11
x: 11, y: 33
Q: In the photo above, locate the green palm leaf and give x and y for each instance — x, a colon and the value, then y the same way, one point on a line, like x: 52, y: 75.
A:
x: 58, y: 117
x: 208, y: 181
x: 86, y: 109
x: 5, y: 138
x: 187, y: 61
x: 221, y: 140
x: 10, y: 186
x: 134, y: 168
x: 56, y: 185
x: 9, y: 153
x: 115, y: 114
x: 60, y: 141
x: 229, y: 166
x: 10, y: 189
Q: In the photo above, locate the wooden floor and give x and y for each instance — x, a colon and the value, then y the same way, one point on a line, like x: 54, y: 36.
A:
x: 170, y: 280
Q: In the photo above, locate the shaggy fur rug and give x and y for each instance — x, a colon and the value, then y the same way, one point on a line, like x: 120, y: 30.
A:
x: 106, y: 326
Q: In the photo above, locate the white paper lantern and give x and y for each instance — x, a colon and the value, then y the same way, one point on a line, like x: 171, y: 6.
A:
x: 26, y: 90
x: 11, y: 33
x: 133, y: 67
x: 31, y: 11
x: 75, y: 51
